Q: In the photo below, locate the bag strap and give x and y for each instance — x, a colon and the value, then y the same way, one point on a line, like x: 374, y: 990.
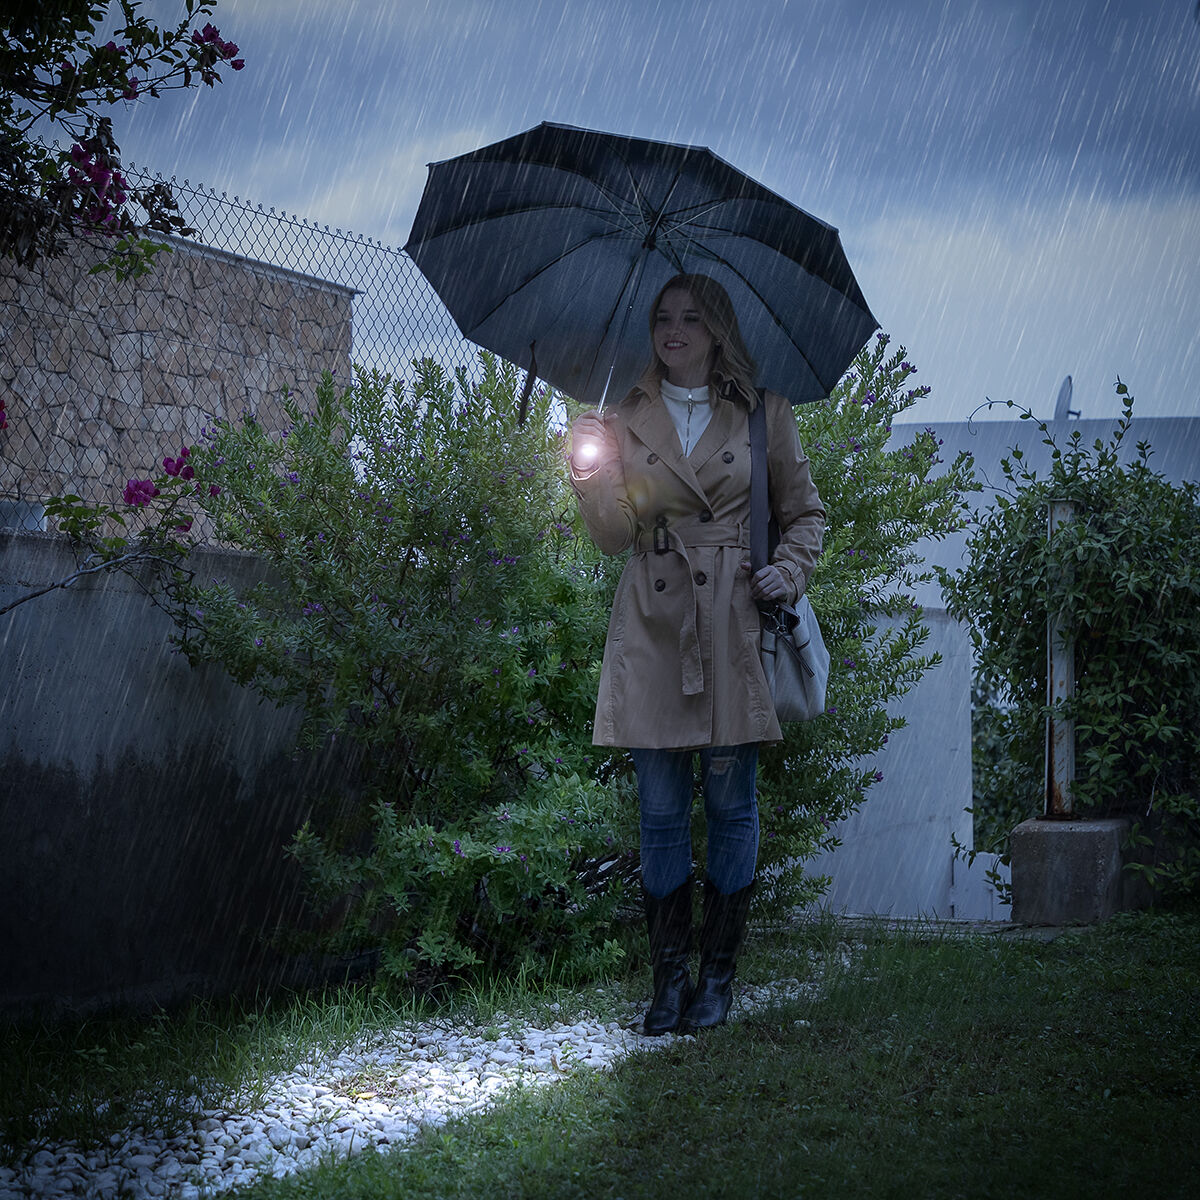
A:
x: 760, y: 507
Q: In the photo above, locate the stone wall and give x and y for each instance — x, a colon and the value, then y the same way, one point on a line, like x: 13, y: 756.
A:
x: 102, y: 378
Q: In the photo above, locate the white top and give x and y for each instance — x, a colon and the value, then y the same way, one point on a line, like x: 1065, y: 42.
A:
x: 690, y: 410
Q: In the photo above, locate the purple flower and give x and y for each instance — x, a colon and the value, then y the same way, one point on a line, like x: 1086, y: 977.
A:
x: 213, y: 490
x: 139, y: 492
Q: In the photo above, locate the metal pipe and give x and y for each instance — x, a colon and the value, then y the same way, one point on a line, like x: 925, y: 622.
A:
x: 1060, y: 686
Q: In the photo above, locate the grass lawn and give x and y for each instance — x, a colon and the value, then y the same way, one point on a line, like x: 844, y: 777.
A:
x: 932, y: 1065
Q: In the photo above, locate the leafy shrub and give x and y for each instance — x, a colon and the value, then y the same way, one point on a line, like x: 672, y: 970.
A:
x: 882, y: 500
x: 428, y: 597
x: 429, y: 592
x: 1006, y: 773
x: 1125, y: 576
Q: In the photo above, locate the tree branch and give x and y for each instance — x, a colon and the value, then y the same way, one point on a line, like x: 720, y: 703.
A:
x: 111, y: 564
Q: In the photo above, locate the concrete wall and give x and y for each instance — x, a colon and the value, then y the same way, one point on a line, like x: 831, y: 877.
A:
x: 144, y: 805
x: 102, y: 378
x: 897, y: 855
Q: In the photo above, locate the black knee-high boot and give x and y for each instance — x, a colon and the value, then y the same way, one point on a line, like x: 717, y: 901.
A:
x: 721, y: 935
x: 669, y: 924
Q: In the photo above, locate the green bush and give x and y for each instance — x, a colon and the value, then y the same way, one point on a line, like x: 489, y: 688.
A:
x: 429, y: 593
x: 882, y: 500
x: 1125, y: 577
x: 429, y: 598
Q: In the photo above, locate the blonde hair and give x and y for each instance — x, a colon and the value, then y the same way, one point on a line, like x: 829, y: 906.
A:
x: 733, y: 370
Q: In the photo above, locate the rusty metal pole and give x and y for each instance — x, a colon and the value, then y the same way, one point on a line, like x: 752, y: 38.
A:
x: 1060, y: 685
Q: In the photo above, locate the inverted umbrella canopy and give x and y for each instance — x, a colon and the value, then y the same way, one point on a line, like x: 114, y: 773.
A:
x: 543, y: 246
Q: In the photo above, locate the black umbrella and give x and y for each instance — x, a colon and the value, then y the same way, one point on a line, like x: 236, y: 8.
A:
x: 542, y: 245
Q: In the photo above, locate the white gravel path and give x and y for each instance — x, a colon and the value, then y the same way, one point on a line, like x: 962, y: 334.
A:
x: 377, y: 1092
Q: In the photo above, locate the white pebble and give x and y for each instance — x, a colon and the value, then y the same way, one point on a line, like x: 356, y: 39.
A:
x: 425, y: 1074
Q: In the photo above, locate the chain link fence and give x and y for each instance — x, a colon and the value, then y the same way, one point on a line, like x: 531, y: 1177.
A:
x: 100, y: 378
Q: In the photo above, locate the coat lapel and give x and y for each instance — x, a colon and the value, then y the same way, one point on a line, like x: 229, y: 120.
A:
x: 716, y: 434
x: 651, y: 424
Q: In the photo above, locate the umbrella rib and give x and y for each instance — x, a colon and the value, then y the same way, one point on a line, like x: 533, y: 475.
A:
x: 617, y: 201
x: 705, y: 252
x: 566, y: 253
x: 666, y: 231
x: 820, y: 267
x: 520, y: 210
x: 635, y: 188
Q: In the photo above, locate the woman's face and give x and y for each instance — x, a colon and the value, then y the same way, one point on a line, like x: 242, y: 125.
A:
x: 682, y: 340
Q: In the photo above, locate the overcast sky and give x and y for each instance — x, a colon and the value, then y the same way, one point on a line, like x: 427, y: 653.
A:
x: 1016, y: 182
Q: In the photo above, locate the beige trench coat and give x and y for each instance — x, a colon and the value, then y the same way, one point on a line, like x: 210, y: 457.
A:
x: 681, y: 662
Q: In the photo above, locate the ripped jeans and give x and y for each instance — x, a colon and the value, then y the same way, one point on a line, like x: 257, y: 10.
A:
x: 665, y: 785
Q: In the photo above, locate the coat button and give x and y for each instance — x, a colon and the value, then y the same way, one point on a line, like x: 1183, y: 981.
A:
x: 705, y: 516
x: 659, y: 584
x: 652, y: 459
x: 701, y: 578
x: 727, y: 456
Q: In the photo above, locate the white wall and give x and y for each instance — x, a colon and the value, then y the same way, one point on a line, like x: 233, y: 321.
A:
x: 897, y: 857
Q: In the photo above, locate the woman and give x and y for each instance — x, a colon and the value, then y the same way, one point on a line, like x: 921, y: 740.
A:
x: 666, y: 474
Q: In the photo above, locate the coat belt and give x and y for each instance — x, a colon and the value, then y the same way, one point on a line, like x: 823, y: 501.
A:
x: 682, y: 536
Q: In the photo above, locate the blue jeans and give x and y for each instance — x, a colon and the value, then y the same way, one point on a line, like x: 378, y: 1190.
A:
x: 665, y: 783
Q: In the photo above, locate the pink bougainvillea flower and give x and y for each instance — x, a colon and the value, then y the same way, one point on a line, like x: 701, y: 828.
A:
x: 139, y: 492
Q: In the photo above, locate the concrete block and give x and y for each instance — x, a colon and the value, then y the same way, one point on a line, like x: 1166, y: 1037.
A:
x: 1067, y: 872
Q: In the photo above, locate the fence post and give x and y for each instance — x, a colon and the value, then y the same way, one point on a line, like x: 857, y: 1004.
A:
x: 1060, y: 686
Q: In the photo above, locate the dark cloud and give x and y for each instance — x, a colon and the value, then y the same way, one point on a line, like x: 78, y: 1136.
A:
x: 979, y: 156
